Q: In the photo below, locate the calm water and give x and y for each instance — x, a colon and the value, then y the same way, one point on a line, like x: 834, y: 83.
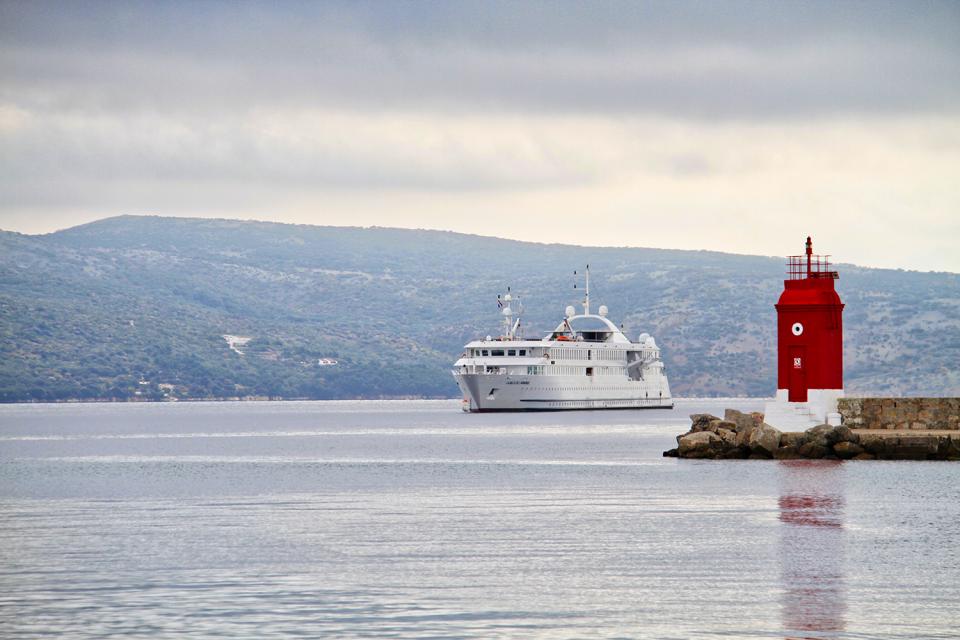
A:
x: 410, y: 519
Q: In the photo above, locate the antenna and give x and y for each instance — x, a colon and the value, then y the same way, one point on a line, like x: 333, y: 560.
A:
x: 586, y: 299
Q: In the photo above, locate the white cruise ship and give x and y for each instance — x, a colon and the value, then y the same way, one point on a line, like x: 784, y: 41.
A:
x: 585, y: 363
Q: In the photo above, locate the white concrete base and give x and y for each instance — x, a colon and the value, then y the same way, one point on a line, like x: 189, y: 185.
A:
x: 820, y: 408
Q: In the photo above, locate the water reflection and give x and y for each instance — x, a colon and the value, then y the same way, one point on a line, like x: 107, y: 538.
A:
x: 812, y: 539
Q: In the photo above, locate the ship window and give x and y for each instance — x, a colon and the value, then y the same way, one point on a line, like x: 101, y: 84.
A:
x: 523, y: 352
x: 497, y: 352
x: 589, y: 371
x: 485, y: 352
x: 512, y: 352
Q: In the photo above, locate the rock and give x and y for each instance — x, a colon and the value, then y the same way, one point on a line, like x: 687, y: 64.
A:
x: 847, y: 450
x: 792, y: 439
x: 729, y: 437
x: 699, y: 442
x: 813, y: 450
x: 721, y: 425
x: 701, y: 454
x: 735, y: 453
x: 845, y: 434
x: 671, y: 453
x: 864, y: 456
x: 744, y: 421
x: 764, y: 440
x: 787, y: 453
x: 759, y: 456
x: 822, y: 435
x: 700, y: 421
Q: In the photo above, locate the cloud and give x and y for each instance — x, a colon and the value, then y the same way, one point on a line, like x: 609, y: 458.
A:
x: 699, y: 125
x: 707, y: 60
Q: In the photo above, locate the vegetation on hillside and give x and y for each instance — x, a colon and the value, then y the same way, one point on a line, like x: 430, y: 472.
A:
x: 137, y: 307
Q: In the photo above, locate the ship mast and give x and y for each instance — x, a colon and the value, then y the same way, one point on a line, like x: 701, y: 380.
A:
x: 512, y: 308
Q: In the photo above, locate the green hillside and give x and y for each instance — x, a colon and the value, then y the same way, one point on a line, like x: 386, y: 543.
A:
x: 137, y: 307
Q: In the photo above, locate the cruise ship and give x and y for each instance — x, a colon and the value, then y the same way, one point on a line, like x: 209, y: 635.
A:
x: 585, y: 363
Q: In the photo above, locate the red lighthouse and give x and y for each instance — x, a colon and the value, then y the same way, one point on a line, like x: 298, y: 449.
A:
x: 809, y: 344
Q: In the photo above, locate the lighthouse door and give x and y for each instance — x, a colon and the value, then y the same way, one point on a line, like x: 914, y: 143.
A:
x: 798, y: 375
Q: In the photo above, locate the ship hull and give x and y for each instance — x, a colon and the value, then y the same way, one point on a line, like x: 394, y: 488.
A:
x: 491, y: 393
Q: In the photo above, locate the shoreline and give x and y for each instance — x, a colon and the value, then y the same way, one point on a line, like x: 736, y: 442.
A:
x: 933, y: 433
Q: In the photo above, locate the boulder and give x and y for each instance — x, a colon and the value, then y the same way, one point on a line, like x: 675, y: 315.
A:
x: 701, y: 454
x: 744, y: 421
x: 729, y: 437
x: 813, y: 450
x: 721, y: 425
x: 700, y: 421
x: 847, y: 450
x: 864, y: 456
x: 736, y: 453
x: 845, y: 434
x: 787, y: 453
x: 792, y: 439
x: 764, y: 440
x: 822, y: 435
x: 694, y: 444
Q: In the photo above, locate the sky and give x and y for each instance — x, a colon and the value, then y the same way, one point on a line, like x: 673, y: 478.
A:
x: 729, y: 126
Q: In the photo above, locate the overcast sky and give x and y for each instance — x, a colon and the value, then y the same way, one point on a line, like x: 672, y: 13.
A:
x: 728, y: 126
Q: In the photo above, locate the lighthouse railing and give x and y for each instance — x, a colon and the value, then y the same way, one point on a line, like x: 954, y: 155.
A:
x: 813, y: 266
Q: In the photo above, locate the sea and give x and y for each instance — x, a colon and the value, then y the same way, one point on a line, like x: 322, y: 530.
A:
x: 411, y: 519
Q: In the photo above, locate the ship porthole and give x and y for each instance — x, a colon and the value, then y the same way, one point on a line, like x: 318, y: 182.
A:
x: 797, y: 328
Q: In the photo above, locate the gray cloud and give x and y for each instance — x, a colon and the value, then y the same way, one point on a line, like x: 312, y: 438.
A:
x: 701, y: 59
x: 515, y: 118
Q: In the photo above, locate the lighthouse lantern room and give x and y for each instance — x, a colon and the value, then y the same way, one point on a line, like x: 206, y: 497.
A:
x: 809, y: 345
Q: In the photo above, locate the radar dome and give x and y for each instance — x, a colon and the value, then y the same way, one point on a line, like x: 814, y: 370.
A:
x: 489, y: 338
x: 643, y: 337
x: 570, y: 311
x: 507, y: 311
x: 507, y: 297
x: 603, y: 310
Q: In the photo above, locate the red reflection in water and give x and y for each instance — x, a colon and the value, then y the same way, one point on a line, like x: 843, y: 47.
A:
x: 812, y: 549
x: 812, y: 511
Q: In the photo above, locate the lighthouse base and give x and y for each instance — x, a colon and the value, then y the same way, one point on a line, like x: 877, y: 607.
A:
x: 820, y: 408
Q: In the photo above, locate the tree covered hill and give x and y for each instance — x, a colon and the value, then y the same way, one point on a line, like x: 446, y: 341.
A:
x: 138, y: 307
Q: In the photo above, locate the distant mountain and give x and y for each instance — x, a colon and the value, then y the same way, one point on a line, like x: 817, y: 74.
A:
x: 138, y: 307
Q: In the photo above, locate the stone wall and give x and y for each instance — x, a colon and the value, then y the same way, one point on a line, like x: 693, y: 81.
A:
x: 901, y: 413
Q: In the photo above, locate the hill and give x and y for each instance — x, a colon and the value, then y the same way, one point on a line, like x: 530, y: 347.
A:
x: 138, y: 307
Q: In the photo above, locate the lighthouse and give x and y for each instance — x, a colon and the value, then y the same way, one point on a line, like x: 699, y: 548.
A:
x: 809, y: 345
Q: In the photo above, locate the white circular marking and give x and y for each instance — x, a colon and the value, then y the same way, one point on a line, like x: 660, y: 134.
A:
x: 797, y: 328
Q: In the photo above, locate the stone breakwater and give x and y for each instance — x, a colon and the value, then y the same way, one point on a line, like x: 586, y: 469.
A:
x: 902, y: 414
x: 739, y: 436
